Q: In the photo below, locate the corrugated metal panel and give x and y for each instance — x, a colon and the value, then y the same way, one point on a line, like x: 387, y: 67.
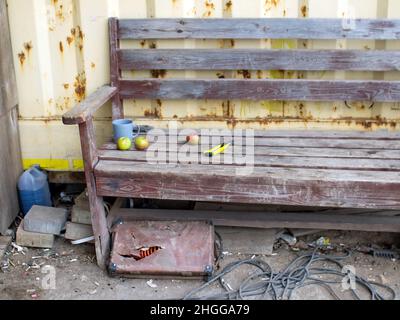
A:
x: 61, y: 54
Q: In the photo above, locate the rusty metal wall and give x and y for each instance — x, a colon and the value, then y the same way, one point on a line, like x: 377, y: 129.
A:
x: 60, y: 49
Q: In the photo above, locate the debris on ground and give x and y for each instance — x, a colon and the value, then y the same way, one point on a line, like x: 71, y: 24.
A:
x: 151, y: 284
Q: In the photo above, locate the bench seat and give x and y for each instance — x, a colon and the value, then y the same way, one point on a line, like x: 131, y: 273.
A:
x: 322, y: 168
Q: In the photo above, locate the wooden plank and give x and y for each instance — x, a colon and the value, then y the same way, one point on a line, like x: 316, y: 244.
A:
x: 271, y: 28
x: 8, y: 88
x: 303, y: 134
x: 327, y: 188
x: 86, y: 109
x: 279, y: 151
x: 253, y: 59
x: 286, y: 142
x: 99, y: 222
x: 260, y: 161
x: 115, y: 72
x: 250, y: 89
x: 129, y: 169
x: 269, y: 219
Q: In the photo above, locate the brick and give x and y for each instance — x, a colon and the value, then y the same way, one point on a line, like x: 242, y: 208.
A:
x: 5, y: 242
x: 81, y: 215
x: 247, y: 240
x: 45, y: 220
x: 33, y: 239
x: 77, y: 231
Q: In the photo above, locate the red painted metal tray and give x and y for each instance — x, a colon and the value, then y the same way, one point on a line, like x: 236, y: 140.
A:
x: 163, y: 248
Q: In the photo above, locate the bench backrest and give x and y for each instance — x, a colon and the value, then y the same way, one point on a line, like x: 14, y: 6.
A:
x: 254, y: 59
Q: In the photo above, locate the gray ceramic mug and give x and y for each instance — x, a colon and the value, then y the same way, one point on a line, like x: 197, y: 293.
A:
x: 124, y: 128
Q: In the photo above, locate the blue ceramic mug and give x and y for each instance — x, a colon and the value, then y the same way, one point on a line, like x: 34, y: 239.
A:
x: 124, y: 128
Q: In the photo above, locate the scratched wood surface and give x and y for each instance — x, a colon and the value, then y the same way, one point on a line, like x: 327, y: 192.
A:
x: 265, y: 89
x: 271, y: 28
x: 286, y: 186
x: 322, y: 168
x: 253, y: 59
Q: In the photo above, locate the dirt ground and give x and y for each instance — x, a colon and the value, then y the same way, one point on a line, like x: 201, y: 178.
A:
x: 77, y: 276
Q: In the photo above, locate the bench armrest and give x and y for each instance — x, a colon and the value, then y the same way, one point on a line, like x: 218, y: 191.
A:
x: 85, y: 109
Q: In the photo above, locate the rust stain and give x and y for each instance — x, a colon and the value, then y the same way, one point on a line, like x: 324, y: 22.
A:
x: 22, y: 58
x: 159, y: 103
x: 210, y: 7
x: 80, y: 86
x: 227, y: 109
x: 245, y: 73
x: 64, y: 104
x: 228, y: 6
x: 78, y: 35
x: 28, y: 47
x: 154, y: 113
x: 152, y: 45
x: 220, y: 75
x: 59, y: 11
x: 304, y: 11
x: 93, y: 65
x: 259, y: 74
x: 269, y: 4
x: 66, y: 86
x: 61, y: 47
x: 25, y: 52
x: 142, y: 43
x: 158, y: 73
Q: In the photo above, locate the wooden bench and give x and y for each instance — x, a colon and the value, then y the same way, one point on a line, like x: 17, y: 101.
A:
x: 311, y: 168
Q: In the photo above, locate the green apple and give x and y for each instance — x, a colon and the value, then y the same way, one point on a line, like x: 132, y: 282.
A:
x: 124, y: 143
x: 141, y: 143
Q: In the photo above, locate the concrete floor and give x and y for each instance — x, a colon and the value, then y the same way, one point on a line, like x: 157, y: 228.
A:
x: 77, y: 276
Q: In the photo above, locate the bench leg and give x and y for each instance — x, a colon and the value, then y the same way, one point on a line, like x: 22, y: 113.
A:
x: 99, y: 222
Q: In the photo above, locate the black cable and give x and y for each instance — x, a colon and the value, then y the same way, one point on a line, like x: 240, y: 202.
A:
x: 299, y: 273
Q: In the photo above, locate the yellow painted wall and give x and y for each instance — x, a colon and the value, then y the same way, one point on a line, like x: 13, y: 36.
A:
x: 60, y: 49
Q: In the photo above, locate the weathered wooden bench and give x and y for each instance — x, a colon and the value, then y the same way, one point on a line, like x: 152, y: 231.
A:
x: 311, y: 168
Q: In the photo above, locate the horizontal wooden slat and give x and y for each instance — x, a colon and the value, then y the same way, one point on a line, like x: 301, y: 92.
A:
x: 267, y: 161
x: 272, y: 28
x: 235, y: 59
x: 300, y: 134
x: 329, y: 188
x: 295, y: 152
x: 301, y: 90
x: 251, y: 219
x: 297, y: 142
x: 129, y: 169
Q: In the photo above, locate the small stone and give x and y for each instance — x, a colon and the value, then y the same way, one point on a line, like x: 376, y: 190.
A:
x: 383, y: 279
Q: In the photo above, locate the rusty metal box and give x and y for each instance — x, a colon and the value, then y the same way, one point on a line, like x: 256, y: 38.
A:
x: 163, y: 249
